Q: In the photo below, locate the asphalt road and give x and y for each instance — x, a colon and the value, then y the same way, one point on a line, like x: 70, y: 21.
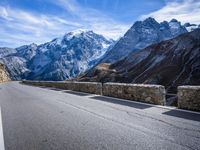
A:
x: 36, y: 118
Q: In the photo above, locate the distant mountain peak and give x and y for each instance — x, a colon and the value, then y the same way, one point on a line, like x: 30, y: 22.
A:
x: 83, y: 34
x: 150, y: 19
x: 147, y: 22
x: 79, y: 32
x: 143, y: 34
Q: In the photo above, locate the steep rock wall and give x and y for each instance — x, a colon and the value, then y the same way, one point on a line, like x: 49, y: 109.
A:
x: 4, y: 76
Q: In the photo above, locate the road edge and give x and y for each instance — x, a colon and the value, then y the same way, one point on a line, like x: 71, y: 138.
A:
x: 2, y: 146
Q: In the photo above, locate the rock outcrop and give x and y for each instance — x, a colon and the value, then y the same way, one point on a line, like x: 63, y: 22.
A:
x: 4, y: 76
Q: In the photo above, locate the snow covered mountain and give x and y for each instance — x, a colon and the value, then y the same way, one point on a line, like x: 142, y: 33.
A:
x: 141, y: 35
x: 4, y: 51
x: 75, y: 52
x: 59, y: 59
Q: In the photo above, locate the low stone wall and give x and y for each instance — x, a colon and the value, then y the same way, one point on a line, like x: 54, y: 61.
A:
x: 189, y: 97
x: 88, y: 87
x: 154, y: 94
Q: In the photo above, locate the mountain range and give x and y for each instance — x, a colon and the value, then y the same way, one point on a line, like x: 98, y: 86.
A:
x: 141, y: 35
x: 60, y: 59
x: 83, y: 51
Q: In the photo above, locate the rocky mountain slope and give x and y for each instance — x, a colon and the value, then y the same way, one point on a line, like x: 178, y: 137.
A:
x: 170, y: 63
x: 16, y: 60
x: 60, y: 59
x: 141, y: 35
x: 4, y: 76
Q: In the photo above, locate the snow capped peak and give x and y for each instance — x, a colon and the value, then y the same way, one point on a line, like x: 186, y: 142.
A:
x: 77, y: 33
x: 82, y: 35
x: 73, y: 35
x: 176, y: 28
x: 143, y: 34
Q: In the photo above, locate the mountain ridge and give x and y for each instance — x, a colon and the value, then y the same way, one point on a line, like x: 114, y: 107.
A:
x: 60, y: 59
x: 74, y: 53
x: 141, y: 35
x: 170, y: 63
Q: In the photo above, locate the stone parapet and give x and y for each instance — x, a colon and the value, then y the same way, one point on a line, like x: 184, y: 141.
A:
x: 189, y: 97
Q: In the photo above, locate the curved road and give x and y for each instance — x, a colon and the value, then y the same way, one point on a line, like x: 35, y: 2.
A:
x: 36, y: 118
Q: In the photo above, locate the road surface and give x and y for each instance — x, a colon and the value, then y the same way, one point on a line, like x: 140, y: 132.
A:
x: 36, y: 118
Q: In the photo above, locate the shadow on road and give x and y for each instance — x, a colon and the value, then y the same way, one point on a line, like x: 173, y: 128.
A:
x: 77, y: 93
x: 125, y: 103
x: 50, y: 88
x: 184, y: 115
x: 55, y: 89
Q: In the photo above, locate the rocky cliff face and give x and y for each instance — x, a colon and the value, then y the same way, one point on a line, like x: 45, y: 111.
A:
x: 170, y: 63
x: 141, y: 35
x: 4, y: 76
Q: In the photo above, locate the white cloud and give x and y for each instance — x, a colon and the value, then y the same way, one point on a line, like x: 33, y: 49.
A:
x: 3, y: 13
x: 20, y: 27
x: 94, y: 20
x: 71, y: 5
x: 184, y: 11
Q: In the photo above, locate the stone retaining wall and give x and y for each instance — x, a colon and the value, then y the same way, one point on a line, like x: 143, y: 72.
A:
x: 189, y: 97
x: 88, y: 87
x: 154, y: 94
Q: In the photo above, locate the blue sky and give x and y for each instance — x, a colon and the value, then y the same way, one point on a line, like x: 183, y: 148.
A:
x: 27, y: 21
